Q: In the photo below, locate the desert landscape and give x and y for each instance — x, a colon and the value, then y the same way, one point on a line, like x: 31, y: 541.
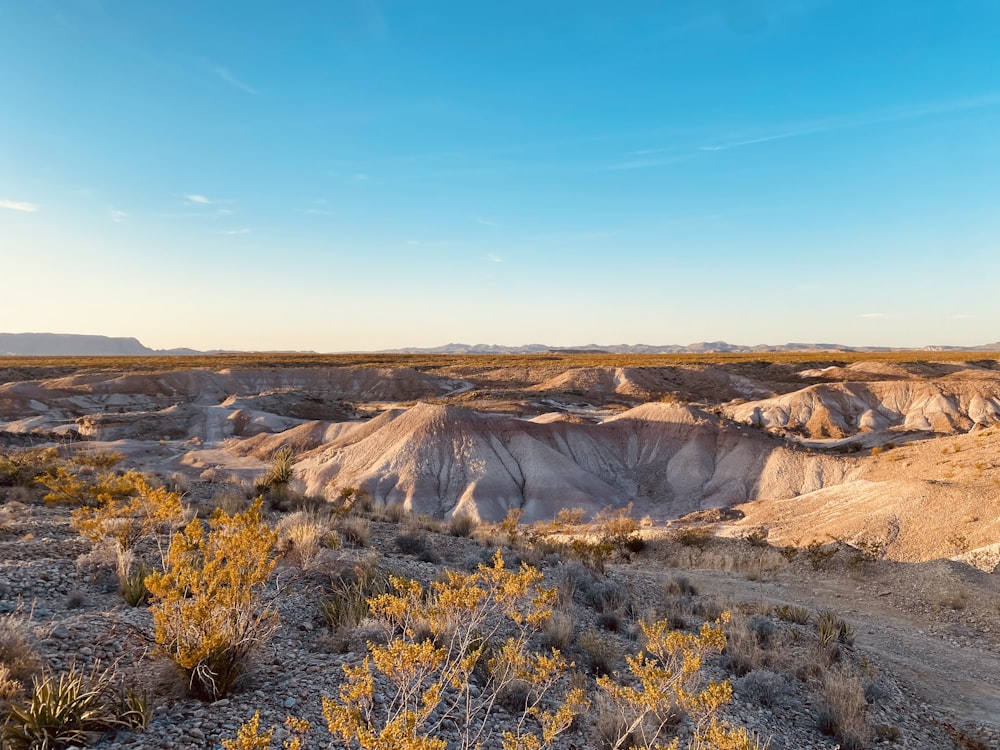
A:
x: 795, y: 491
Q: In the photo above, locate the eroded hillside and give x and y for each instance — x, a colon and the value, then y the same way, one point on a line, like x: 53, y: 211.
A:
x: 809, y: 448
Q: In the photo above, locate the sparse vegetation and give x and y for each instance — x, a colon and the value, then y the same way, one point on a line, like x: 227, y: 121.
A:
x: 208, y: 611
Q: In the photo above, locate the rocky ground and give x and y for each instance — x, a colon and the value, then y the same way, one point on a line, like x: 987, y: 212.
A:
x: 926, y: 652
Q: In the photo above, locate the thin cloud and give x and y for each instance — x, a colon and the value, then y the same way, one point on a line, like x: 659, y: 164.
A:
x: 961, y: 316
x: 360, y: 177
x: 23, y: 206
x: 485, y: 222
x: 118, y: 217
x: 494, y: 258
x: 873, y: 315
x: 201, y: 199
x: 232, y: 80
x: 647, y: 163
x: 833, y: 124
x: 237, y: 231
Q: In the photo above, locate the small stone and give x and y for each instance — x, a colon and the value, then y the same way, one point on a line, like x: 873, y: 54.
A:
x: 60, y: 631
x: 289, y: 702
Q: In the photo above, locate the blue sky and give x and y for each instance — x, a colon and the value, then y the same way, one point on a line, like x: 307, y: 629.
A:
x: 358, y: 175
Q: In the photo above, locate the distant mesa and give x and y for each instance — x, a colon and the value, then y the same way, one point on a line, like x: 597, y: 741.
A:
x: 78, y: 345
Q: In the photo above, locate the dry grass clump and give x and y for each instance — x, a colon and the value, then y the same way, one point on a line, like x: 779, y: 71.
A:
x: 356, y: 530
x: 462, y: 525
x: 844, y: 711
x: 600, y: 651
x: 19, y: 662
x: 302, y: 536
x: 558, y: 631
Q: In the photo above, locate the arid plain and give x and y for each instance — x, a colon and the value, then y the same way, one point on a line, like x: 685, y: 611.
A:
x: 860, y: 484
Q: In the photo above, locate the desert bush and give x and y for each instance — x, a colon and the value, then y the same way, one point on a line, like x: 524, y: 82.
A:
x: 818, y: 554
x: 693, y: 536
x: 430, y: 676
x: 135, y: 509
x: 82, y: 487
x: 764, y: 687
x: 843, y: 713
x: 208, y: 611
x: 73, y: 708
x: 411, y: 544
x: 668, y: 681
x: 620, y: 531
x: 21, y: 468
x: 230, y: 501
x: 356, y: 530
x: 282, y: 468
x: 251, y: 737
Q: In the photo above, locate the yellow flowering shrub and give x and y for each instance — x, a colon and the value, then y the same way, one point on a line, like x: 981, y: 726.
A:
x: 208, y: 608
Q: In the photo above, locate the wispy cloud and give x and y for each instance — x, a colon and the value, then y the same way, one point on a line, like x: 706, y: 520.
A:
x: 232, y: 80
x: 646, y: 163
x: 962, y: 316
x: 873, y: 315
x: 762, y: 139
x: 118, y: 216
x: 485, y: 222
x: 494, y: 258
x: 846, y: 122
x: 359, y: 177
x: 238, y: 231
x: 201, y: 199
x: 23, y: 206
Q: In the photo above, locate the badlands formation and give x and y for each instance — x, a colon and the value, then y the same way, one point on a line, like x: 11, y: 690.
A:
x: 902, y: 448
x: 779, y: 486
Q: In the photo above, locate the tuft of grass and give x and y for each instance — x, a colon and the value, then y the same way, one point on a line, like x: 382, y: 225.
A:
x: 356, y: 530
x: 302, y: 535
x: 600, y: 652
x: 462, y: 525
x: 843, y: 713
x: 19, y: 662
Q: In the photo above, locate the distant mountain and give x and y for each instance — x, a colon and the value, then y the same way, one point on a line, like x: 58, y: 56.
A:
x: 701, y: 347
x: 78, y: 345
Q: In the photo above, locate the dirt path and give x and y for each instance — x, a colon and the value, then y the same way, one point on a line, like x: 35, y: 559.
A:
x: 962, y: 679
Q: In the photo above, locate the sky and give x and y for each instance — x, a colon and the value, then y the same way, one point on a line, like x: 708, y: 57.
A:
x: 355, y: 175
